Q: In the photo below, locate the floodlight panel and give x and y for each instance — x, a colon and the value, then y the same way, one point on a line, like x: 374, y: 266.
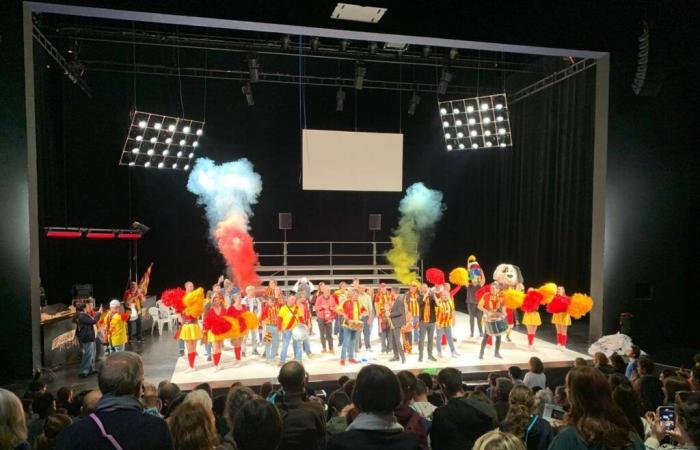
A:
x: 476, y: 122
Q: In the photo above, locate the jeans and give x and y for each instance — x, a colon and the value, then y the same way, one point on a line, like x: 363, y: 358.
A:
x: 416, y: 330
x: 438, y: 338
x: 118, y: 348
x: 384, y: 339
x: 366, y: 332
x: 253, y: 336
x: 135, y: 329
x: 180, y: 342
x: 348, y: 344
x: 296, y: 345
x: 326, y: 331
x: 475, y: 315
x: 427, y: 330
x: 306, y: 346
x: 87, y: 361
x: 271, y: 347
x: 207, y: 349
x: 339, y: 329
x: 395, y: 339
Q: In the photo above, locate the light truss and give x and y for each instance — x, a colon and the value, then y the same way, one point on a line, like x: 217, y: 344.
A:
x: 68, y: 70
x: 477, y: 122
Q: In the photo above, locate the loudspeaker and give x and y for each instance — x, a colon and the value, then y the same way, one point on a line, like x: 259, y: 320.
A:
x: 82, y: 290
x: 375, y: 222
x: 285, y: 221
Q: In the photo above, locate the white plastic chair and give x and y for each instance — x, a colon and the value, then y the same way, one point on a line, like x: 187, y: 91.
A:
x: 157, y: 320
x: 167, y: 313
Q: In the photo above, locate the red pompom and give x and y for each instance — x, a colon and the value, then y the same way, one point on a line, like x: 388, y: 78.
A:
x: 215, y: 323
x: 482, y: 291
x: 173, y: 298
x: 532, y: 301
x: 559, y: 304
x: 435, y: 276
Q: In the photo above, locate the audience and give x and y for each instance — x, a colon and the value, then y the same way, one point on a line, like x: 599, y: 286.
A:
x: 167, y: 392
x: 535, y: 377
x: 580, y: 362
x: 666, y: 373
x: 560, y: 397
x: 645, y: 366
x: 594, y: 421
x: 618, y: 364
x: 673, y: 385
x: 631, y: 370
x: 336, y: 419
x: 498, y: 440
x: 119, y: 412
x: 616, y: 379
x: 43, y: 405
x: 219, y: 410
x: 409, y: 419
x: 192, y: 427
x: 434, y: 395
x: 687, y: 432
x: 516, y: 375
x: 90, y: 401
x: 600, y: 362
x: 628, y: 401
x: 694, y: 379
x: 236, y: 398
x: 265, y: 390
x: 421, y: 404
x: 500, y: 397
x: 459, y: 423
x: 377, y: 395
x: 257, y: 426
x: 522, y: 421
x: 13, y: 425
x: 53, y: 426
x: 542, y: 398
x: 64, y: 396
x: 650, y: 392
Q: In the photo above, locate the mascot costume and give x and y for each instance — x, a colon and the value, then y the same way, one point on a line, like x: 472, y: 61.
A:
x: 511, y: 280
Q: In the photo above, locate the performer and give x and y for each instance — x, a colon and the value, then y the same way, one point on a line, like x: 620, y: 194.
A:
x: 365, y: 299
x: 191, y: 331
x: 272, y: 326
x: 396, y: 318
x: 531, y: 314
x: 254, y: 305
x: 291, y: 315
x: 134, y: 299
x: 303, y: 285
x: 212, y: 318
x: 509, y: 276
x: 560, y: 317
x: 230, y: 290
x: 381, y: 299
x: 427, y: 322
x: 411, y: 331
x: 236, y: 310
x: 351, y: 312
x: 341, y: 294
x: 476, y: 281
x: 303, y: 303
x: 115, y: 327
x: 490, y: 304
x: 325, y: 314
x: 445, y: 319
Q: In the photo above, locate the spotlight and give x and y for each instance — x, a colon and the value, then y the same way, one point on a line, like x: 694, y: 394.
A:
x: 448, y: 135
x: 171, y: 128
x: 343, y: 45
x: 499, y: 119
x: 139, y: 138
x: 372, y: 48
x: 199, y: 132
x: 473, y: 133
x: 286, y: 40
x: 153, y: 140
x: 186, y: 130
x: 499, y: 106
x: 360, y: 72
x: 449, y: 147
x: 174, y: 166
x: 191, y: 155
x: 253, y: 68
x: 183, y: 142
x: 339, y: 99
x: 135, y: 150
x: 453, y: 53
x: 166, y: 152
x: 486, y: 125
x: 472, y: 121
x: 455, y: 111
x: 248, y: 92
x: 179, y: 154
x: 487, y: 133
x: 187, y: 167
x: 445, y: 124
x: 484, y: 106
x: 501, y: 131
x: 132, y: 163
x: 147, y: 164
x: 195, y: 144
x: 445, y: 79
x: 503, y: 145
x: 443, y: 111
x: 150, y: 152
x: 315, y: 44
x: 426, y: 51
x: 415, y: 100
x: 458, y: 123
x: 161, y: 165
x: 486, y: 120
x: 460, y: 134
x: 475, y: 145
x: 158, y: 125
x: 488, y: 143
x: 168, y: 140
x: 470, y: 109
x: 461, y: 146
x: 142, y: 124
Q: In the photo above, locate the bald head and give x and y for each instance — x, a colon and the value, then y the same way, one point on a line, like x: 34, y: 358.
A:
x: 291, y: 377
x: 121, y: 374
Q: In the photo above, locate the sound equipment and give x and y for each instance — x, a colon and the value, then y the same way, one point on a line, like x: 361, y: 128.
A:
x: 285, y: 221
x: 375, y: 222
x: 82, y: 290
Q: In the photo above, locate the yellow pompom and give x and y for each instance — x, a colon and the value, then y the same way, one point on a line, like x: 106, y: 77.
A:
x: 251, y: 320
x: 580, y: 305
x: 234, y: 331
x: 548, y: 291
x: 194, y: 303
x: 459, y: 276
x: 513, y: 299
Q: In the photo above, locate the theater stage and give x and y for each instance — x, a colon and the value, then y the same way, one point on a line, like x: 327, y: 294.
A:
x: 326, y: 367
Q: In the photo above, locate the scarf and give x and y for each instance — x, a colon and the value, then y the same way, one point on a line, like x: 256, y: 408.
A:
x: 377, y: 422
x: 111, y: 403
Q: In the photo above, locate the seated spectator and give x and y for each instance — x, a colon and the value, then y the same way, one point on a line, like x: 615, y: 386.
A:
x: 44, y: 405
x: 480, y: 396
x: 167, y: 392
x: 265, y: 390
x: 645, y: 366
x: 206, y: 387
x: 516, y: 375
x: 628, y: 401
x: 594, y: 420
x: 90, y: 401
x: 542, y: 398
x: 421, y: 404
x: 666, y: 373
x: 304, y: 424
x: 618, y: 363
x: 536, y: 376
x: 631, y: 371
x: 64, y: 396
x: 235, y: 400
x: 694, y: 379
x: 650, y: 392
x: 522, y: 421
x: 580, y: 362
x: 257, y: 426
x: 461, y: 421
x: 336, y: 417
x: 151, y: 405
x: 53, y: 426
x: 560, y: 398
x: 500, y: 399
x: 493, y: 376
x: 348, y: 387
x: 498, y: 440
x: 617, y: 379
x: 219, y: 410
x: 13, y: 425
x: 673, y: 385
x: 377, y: 394
x: 687, y: 432
x: 119, y: 415
x: 410, y: 420
x: 600, y: 362
x: 192, y: 427
x: 199, y: 396
x: 434, y: 395
x: 342, y: 380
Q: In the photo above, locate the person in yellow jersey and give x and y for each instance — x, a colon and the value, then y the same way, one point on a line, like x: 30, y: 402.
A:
x: 291, y: 315
x: 445, y: 319
x: 352, y: 312
x: 115, y: 323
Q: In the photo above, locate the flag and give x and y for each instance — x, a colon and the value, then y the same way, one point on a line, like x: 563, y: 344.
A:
x: 145, y: 279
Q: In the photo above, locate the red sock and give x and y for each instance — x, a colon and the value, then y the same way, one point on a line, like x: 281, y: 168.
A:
x: 238, y: 353
x: 530, y: 338
x: 563, y: 340
x: 489, y: 340
x: 190, y: 357
x: 444, y: 340
x: 559, y: 338
x: 217, y: 358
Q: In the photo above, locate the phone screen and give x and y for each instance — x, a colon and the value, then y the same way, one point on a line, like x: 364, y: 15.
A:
x: 558, y: 414
x: 667, y: 416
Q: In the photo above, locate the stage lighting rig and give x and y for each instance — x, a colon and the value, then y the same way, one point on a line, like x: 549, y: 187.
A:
x: 445, y: 79
x: 253, y: 68
x: 477, y: 122
x: 339, y: 99
x: 157, y: 140
x: 247, y: 90
x: 415, y: 100
x: 360, y: 72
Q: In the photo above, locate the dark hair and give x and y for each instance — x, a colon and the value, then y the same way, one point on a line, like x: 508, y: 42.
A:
x: 515, y: 372
x: 206, y: 387
x: 688, y: 411
x: 167, y: 392
x: 647, y: 364
x: 600, y: 359
x: 265, y: 389
x: 580, y: 362
x: 342, y: 380
x: 618, y: 363
x: 672, y: 385
x: 426, y: 378
x: 592, y: 412
x: 377, y: 390
x: 257, y: 425
x: 43, y: 404
x: 336, y: 402
x: 348, y: 387
x: 236, y: 398
x: 192, y: 427
x: 493, y: 376
x: 560, y: 394
x: 666, y: 373
x: 451, y: 381
x: 650, y: 392
x: 53, y: 426
x: 617, y: 379
x: 291, y: 376
x: 628, y: 401
x: 536, y: 365
x: 218, y: 406
x: 635, y: 350
x: 408, y: 385
x: 695, y: 373
x: 503, y: 388
x: 521, y: 405
x: 420, y: 388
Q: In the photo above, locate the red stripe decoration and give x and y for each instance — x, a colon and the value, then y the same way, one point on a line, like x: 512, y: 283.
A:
x: 64, y: 234
x: 129, y: 236
x: 98, y: 235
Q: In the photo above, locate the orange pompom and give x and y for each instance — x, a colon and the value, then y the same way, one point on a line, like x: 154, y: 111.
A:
x: 459, y: 276
x: 548, y: 291
x: 194, y: 303
x: 580, y: 305
x: 513, y: 299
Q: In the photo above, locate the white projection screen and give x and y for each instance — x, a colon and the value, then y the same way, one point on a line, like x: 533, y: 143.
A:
x: 352, y: 161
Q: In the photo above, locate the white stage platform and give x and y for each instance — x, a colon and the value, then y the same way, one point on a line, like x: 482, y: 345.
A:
x: 253, y: 370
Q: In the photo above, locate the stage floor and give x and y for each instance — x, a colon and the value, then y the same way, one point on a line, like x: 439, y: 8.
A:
x: 253, y: 370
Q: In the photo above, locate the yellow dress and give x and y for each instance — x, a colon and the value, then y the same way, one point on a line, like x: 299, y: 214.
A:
x: 532, y: 318
x: 117, y: 330
x: 561, y: 319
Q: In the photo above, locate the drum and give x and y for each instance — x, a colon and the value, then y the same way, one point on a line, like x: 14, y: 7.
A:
x: 300, y: 332
x: 495, y: 324
x: 356, y: 325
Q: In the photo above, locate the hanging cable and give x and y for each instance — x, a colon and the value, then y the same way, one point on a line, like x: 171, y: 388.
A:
x: 206, y: 71
x: 302, y: 90
x: 400, y: 94
x: 133, y: 60
x: 179, y: 75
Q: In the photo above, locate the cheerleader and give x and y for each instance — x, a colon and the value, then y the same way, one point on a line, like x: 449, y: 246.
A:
x: 236, y: 310
x: 445, y: 318
x: 213, y: 324
x: 560, y: 316
x: 531, y: 314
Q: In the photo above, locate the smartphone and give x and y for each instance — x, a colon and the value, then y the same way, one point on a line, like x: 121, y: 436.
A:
x: 667, y: 416
x: 320, y: 393
x: 553, y: 412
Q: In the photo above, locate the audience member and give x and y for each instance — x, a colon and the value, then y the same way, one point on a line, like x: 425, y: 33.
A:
x: 118, y: 414
x: 85, y: 322
x: 666, y: 373
x: 617, y: 379
x: 542, y: 398
x: 257, y: 426
x: 409, y: 419
x: 650, y: 392
x: 44, y: 405
x: 304, y: 424
x: 580, y: 362
x: 459, y: 423
x: 600, y: 362
x: 348, y: 387
x: 206, y: 387
x: 90, y: 401
x: 434, y: 395
x: 628, y: 401
x: 536, y: 376
x: 645, y: 366
x: 560, y: 397
x: 151, y: 405
x: 633, y: 355
x: 192, y: 427
x: 201, y: 397
x: 342, y: 380
x: 498, y: 440
x: 265, y: 390
x: 687, y: 432
x: 421, y: 404
x: 618, y: 363
x: 516, y: 375
x: 522, y: 421
x: 694, y: 379
x: 594, y: 420
x: 13, y: 425
x: 53, y: 426
x: 377, y: 395
x: 64, y: 397
x: 500, y: 397
x: 493, y: 376
x: 673, y: 385
x: 167, y: 392
x: 219, y: 410
x: 336, y: 420
x: 236, y: 398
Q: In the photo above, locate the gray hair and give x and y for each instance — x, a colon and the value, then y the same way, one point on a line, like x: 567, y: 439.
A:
x: 121, y: 374
x: 543, y: 397
x: 13, y: 425
x: 199, y: 396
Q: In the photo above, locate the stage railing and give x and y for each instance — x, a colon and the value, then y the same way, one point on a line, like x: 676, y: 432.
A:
x: 328, y: 261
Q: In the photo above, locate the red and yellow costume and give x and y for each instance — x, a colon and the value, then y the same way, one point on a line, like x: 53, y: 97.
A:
x: 290, y: 316
x: 115, y: 328
x: 190, y: 306
x: 382, y: 301
x: 445, y: 313
x: 269, y: 315
x: 352, y: 310
x: 412, y: 310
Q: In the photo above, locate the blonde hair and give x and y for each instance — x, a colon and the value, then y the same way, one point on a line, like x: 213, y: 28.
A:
x: 13, y: 427
x: 201, y: 397
x: 521, y: 404
x: 498, y: 440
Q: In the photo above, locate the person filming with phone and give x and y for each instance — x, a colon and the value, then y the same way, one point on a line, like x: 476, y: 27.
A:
x: 679, y: 423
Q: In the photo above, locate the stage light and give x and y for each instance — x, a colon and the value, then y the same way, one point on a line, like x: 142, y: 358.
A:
x: 488, y: 143
x: 443, y: 111
x: 174, y: 165
x: 339, y: 100
x: 455, y: 111
x: 182, y: 142
x: 171, y: 128
x: 247, y: 90
x: 139, y: 138
x: 481, y: 113
x: 142, y: 124
x: 499, y: 106
x: 153, y: 140
x: 445, y: 79
x: 484, y: 106
x: 470, y: 109
x: 132, y: 163
x: 448, y: 135
x: 449, y: 147
x: 70, y: 234
x: 147, y: 164
x: 315, y: 44
x: 460, y: 135
x: 191, y: 155
x: 199, y: 132
x: 475, y: 145
x: 501, y: 131
x: 135, y: 150
x: 486, y: 120
x: 499, y: 119
x: 186, y: 130
x: 415, y: 100
x: 253, y: 70
x: 473, y: 133
x: 503, y: 144
x: 150, y: 152
x: 166, y: 152
x: 187, y: 167
x: 161, y: 165
x: 179, y: 154
x: 461, y: 146
x: 472, y: 121
x: 360, y: 72
x: 168, y: 141
x: 445, y: 124
x: 458, y: 123
x: 487, y: 133
x: 195, y: 144
x: 99, y: 234
x: 158, y: 125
